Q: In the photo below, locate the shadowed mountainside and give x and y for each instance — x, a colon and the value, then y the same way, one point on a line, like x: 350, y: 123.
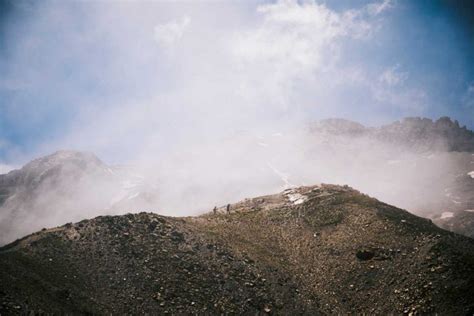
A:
x: 310, y: 250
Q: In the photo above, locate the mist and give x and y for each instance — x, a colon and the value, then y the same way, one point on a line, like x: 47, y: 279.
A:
x: 133, y: 80
x: 190, y: 180
x: 248, y: 165
x: 208, y: 103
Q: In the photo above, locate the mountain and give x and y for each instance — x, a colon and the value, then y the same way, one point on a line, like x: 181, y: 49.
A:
x: 419, y: 134
x: 51, y: 168
x: 461, y: 222
x: 310, y: 250
x: 422, y: 165
x: 59, y: 188
x: 417, y: 164
x: 459, y: 216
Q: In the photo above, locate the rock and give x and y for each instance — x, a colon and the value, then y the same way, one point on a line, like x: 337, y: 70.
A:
x: 177, y: 236
x: 365, y: 254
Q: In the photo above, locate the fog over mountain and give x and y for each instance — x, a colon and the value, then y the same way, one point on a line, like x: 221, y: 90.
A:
x: 205, y: 104
x: 65, y: 186
x: 417, y: 164
x: 237, y: 157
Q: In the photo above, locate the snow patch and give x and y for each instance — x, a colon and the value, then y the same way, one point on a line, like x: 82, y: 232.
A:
x: 297, y: 198
x: 283, y: 176
x: 133, y: 196
x: 130, y: 189
x: 471, y: 174
x: 470, y: 211
x: 127, y: 184
x: 447, y: 215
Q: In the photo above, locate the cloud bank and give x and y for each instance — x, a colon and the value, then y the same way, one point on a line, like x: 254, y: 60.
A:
x: 134, y: 78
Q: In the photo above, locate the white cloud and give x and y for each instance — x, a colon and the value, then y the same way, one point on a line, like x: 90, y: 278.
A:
x: 410, y: 102
x: 377, y: 8
x: 387, y: 89
x: 390, y: 90
x: 169, y: 33
x: 295, y: 43
x: 233, y: 68
x: 298, y: 35
x: 393, y: 76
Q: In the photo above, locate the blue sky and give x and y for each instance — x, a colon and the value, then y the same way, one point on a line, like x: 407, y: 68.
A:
x: 121, y: 78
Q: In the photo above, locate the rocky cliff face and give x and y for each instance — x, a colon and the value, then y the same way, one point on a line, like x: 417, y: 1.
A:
x: 309, y: 250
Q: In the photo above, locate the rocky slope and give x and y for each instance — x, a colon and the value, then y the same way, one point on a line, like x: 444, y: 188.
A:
x: 311, y: 250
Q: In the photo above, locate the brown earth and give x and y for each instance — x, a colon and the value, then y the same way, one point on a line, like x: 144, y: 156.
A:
x: 311, y: 250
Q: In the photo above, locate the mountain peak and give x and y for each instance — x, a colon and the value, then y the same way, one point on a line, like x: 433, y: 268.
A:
x: 338, y: 126
x: 62, y: 156
x: 70, y: 159
x: 418, y: 133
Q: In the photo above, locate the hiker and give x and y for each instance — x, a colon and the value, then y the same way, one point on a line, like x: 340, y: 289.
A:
x: 228, y: 208
x: 215, y: 210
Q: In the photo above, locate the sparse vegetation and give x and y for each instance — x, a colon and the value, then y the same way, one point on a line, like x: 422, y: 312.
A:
x: 337, y: 252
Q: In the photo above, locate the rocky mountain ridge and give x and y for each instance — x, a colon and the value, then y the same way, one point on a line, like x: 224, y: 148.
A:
x: 421, y: 134
x: 310, y: 250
